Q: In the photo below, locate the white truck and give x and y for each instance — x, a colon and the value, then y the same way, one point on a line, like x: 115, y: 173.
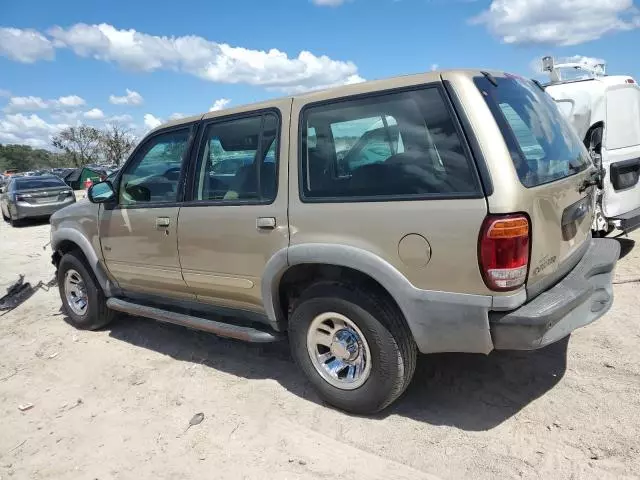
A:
x: 605, y: 112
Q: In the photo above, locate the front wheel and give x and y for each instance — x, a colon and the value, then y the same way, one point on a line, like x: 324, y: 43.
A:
x: 82, y: 297
x: 353, y: 346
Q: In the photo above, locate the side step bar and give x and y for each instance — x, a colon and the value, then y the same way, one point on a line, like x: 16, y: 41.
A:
x: 238, y: 332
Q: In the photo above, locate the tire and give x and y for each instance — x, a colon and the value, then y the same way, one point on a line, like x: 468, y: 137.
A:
x: 391, y: 347
x: 96, y: 314
x: 14, y: 221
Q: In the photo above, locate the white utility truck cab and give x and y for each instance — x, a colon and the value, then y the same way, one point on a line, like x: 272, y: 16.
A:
x: 605, y: 112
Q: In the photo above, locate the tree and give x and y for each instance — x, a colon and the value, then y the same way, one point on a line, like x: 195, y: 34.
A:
x: 81, y: 143
x: 24, y: 158
x: 116, y: 143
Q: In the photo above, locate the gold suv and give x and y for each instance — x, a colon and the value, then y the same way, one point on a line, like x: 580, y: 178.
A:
x: 440, y: 212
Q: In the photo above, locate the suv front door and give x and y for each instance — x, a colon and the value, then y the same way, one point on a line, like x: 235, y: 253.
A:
x: 139, y: 235
x: 237, y: 216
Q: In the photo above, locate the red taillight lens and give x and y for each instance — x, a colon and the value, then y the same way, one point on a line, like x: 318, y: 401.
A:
x: 630, y: 80
x: 504, y: 251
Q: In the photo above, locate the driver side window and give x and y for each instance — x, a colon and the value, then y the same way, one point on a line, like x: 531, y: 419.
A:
x: 153, y: 175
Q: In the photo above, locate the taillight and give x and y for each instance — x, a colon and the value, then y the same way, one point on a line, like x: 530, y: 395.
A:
x: 504, y: 251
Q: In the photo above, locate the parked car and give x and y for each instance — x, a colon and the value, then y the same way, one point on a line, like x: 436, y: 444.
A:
x: 604, y: 110
x: 33, y: 197
x: 436, y: 237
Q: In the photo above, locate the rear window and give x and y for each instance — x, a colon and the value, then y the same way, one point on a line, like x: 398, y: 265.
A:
x: 399, y: 145
x: 39, y: 183
x: 542, y: 144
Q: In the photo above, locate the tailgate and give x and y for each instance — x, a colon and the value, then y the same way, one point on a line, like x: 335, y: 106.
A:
x: 553, y: 171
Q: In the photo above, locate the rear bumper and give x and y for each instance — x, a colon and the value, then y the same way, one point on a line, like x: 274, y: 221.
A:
x: 28, y: 210
x: 629, y: 221
x: 582, y: 297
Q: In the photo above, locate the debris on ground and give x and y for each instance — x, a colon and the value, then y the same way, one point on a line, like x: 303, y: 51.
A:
x: 195, y: 420
x: 25, y: 406
x: 20, y: 291
x: 17, y: 293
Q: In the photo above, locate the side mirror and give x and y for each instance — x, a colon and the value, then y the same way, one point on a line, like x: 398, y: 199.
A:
x: 102, y: 192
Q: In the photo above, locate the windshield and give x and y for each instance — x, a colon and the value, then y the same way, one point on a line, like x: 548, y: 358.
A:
x: 39, y: 183
x: 543, y: 146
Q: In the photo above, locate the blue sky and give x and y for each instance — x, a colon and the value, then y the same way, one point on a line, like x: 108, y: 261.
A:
x: 139, y: 63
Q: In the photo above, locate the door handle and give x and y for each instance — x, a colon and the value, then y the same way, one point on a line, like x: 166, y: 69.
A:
x: 266, y: 223
x: 162, y: 222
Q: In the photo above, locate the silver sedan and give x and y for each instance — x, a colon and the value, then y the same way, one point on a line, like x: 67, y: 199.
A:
x: 33, y: 197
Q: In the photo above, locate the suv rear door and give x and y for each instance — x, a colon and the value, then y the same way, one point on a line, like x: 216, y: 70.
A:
x: 544, y: 173
x: 236, y: 217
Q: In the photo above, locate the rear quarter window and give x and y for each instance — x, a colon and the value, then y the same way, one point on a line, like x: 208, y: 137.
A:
x: 397, y: 145
x: 542, y: 144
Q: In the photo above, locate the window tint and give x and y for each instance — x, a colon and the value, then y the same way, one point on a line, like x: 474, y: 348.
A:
x: 394, y: 145
x: 39, y: 183
x: 364, y: 141
x: 155, y: 171
x: 542, y: 144
x: 238, y: 160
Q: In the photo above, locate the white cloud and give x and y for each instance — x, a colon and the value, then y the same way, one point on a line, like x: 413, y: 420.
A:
x: 26, y: 46
x: 28, y: 129
x: 557, y: 22
x: 329, y: 3
x: 69, y: 101
x: 32, y: 104
x: 434, y: 67
x: 219, y: 104
x: 177, y: 116
x: 216, y: 62
x: 131, y: 98
x: 94, y: 114
x: 4, y: 93
x: 66, y: 115
x: 151, y: 122
x: 120, y: 118
x: 26, y: 104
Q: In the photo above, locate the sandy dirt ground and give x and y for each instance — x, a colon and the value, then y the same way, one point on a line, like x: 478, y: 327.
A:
x: 115, y: 404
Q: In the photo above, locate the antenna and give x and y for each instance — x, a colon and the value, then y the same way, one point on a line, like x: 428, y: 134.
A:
x: 573, y: 68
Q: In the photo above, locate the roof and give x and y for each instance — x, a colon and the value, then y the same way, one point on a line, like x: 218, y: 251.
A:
x: 339, y: 91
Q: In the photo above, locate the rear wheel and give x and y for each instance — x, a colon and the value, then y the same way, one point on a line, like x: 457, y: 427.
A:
x: 353, y: 346
x: 82, y: 297
x: 15, y: 222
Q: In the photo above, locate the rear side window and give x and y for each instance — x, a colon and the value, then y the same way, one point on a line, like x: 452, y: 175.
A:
x: 543, y: 146
x: 402, y: 145
x: 238, y: 160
